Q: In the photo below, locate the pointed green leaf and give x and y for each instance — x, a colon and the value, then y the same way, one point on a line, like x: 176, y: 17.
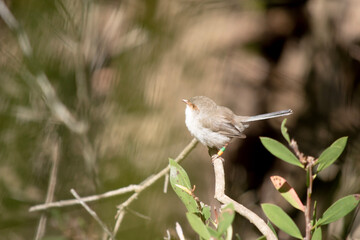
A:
x: 280, y: 151
x: 198, y: 226
x: 284, y: 131
x: 287, y: 192
x: 180, y: 182
x: 181, y: 176
x: 317, y: 235
x: 339, y: 209
x: 225, y: 219
x: 280, y: 218
x: 329, y: 155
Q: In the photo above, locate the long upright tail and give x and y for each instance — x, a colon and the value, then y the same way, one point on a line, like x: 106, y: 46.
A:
x: 268, y: 115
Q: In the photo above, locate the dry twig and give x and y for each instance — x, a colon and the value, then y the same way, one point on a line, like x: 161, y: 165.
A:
x: 122, y: 207
x: 92, y: 213
x: 71, y: 202
x: 131, y: 188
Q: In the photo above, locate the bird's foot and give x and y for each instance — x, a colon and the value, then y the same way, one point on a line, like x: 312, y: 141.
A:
x: 216, y: 156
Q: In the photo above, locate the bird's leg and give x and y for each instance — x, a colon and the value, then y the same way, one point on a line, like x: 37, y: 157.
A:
x: 221, y: 151
x: 214, y: 155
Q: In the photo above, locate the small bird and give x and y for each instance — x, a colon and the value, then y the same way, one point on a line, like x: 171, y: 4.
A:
x: 214, y: 126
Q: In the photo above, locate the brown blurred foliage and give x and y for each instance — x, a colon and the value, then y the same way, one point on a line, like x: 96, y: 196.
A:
x: 122, y: 68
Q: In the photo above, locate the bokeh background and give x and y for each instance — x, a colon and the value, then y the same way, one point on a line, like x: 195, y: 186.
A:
x: 121, y: 69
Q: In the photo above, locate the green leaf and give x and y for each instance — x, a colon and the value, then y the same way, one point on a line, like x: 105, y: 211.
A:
x: 284, y: 131
x: 329, y: 155
x: 179, y: 181
x: 339, y: 209
x: 198, y: 226
x: 317, y: 235
x: 205, y: 211
x: 279, y: 218
x: 287, y: 192
x: 280, y: 151
x: 225, y: 219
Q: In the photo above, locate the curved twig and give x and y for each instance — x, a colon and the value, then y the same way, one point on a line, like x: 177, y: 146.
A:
x: 242, y: 210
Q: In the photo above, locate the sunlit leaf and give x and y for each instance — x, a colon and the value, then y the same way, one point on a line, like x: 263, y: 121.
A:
x: 287, y: 192
x: 180, y: 182
x: 317, y: 235
x: 280, y: 151
x: 198, y: 226
x: 339, y: 209
x: 329, y: 155
x: 280, y: 218
x: 284, y: 131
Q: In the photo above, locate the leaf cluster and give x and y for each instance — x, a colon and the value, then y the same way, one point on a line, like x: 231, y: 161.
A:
x: 199, y: 214
x: 336, y: 211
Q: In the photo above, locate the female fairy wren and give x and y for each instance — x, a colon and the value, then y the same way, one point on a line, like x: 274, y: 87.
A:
x: 214, y: 126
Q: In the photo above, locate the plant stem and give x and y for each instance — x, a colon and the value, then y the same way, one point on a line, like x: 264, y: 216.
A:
x: 308, y: 199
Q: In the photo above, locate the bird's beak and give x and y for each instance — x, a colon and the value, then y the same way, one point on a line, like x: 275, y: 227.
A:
x: 186, y: 101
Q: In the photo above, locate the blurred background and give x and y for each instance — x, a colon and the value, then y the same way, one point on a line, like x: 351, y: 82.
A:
x: 112, y: 114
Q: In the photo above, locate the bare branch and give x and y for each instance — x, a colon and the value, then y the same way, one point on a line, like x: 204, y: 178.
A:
x: 92, y: 213
x: 122, y: 207
x: 242, y: 210
x: 131, y: 188
x: 71, y: 202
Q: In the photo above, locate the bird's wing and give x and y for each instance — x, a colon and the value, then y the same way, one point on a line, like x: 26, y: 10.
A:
x: 223, y: 122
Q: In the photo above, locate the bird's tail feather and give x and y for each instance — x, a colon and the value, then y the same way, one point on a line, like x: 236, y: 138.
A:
x: 268, y: 115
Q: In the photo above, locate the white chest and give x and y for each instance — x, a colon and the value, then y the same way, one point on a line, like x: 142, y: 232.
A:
x: 205, y: 135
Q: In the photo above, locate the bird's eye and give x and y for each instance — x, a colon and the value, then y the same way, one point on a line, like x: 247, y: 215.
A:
x: 193, y: 106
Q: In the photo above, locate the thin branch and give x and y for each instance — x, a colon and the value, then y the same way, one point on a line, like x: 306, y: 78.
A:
x: 302, y: 158
x: 138, y: 214
x: 166, y: 183
x: 71, y: 202
x: 122, y: 207
x: 242, y: 210
x: 92, y: 213
x: 50, y: 192
x: 131, y: 188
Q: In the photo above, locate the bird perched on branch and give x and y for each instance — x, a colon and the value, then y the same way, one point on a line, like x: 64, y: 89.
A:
x: 214, y: 126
